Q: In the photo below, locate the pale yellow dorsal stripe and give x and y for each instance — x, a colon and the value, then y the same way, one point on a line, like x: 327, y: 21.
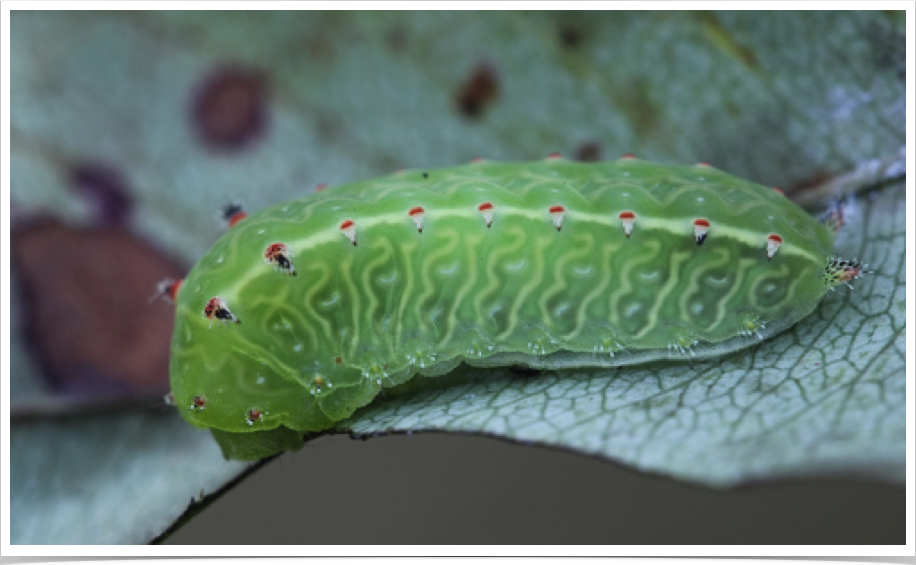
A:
x: 682, y: 226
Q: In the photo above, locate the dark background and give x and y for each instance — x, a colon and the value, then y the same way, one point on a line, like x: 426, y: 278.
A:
x: 447, y: 489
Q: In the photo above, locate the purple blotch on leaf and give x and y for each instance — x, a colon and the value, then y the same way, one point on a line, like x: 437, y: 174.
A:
x: 105, y: 189
x: 87, y: 316
x: 229, y: 109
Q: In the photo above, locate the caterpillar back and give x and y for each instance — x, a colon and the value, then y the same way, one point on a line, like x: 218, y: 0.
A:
x: 302, y: 313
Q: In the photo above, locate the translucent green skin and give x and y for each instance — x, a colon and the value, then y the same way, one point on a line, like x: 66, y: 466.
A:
x: 520, y: 292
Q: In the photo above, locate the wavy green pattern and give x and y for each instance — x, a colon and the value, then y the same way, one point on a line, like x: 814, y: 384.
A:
x: 370, y: 316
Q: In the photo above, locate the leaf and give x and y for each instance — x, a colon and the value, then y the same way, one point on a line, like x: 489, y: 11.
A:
x: 109, y: 479
x: 788, y: 99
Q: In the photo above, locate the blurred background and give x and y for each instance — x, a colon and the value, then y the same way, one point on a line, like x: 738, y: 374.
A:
x: 130, y: 130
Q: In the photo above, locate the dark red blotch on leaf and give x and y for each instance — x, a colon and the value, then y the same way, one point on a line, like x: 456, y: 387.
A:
x: 87, y: 312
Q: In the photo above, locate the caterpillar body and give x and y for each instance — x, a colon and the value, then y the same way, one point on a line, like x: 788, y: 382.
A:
x: 302, y: 313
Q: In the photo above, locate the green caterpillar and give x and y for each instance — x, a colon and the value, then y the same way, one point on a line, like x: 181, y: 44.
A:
x: 302, y: 313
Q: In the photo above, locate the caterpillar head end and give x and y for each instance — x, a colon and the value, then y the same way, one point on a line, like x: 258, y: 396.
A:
x: 841, y: 271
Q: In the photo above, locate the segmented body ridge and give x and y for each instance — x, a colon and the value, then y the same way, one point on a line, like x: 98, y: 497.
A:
x: 550, y: 264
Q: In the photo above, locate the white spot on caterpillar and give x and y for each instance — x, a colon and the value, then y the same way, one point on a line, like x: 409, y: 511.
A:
x: 557, y: 213
x: 773, y: 243
x: 487, y: 210
x: 388, y: 280
x: 561, y: 309
x: 700, y: 230
x: 416, y: 213
x: 521, y: 264
x: 628, y: 219
x: 348, y: 228
x: 632, y: 309
x: 450, y: 269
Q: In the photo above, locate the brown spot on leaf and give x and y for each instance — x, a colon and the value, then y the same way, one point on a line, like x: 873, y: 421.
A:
x: 478, y: 91
x: 229, y: 111
x: 569, y: 36
x: 589, y: 152
x: 86, y: 311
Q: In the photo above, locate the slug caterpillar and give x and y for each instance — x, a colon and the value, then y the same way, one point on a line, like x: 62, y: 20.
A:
x: 302, y: 313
